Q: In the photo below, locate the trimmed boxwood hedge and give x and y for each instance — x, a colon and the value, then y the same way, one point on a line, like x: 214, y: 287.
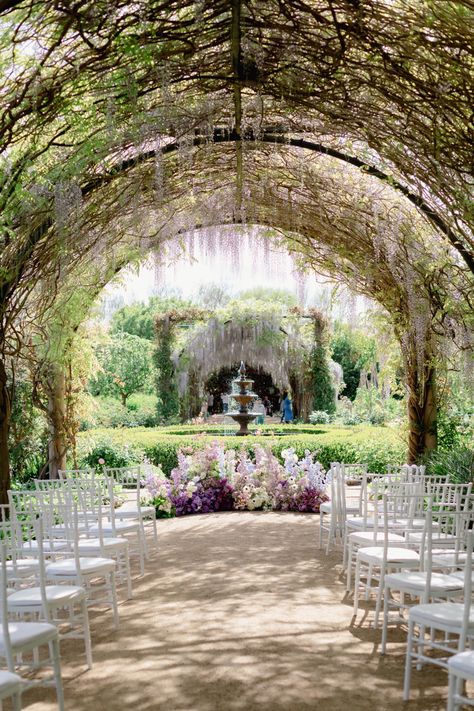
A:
x: 376, y: 446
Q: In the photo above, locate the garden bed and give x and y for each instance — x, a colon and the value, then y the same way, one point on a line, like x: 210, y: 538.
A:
x: 375, y: 446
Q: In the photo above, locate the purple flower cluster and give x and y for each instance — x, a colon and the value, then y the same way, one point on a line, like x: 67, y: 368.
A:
x: 212, y: 479
x: 210, y: 495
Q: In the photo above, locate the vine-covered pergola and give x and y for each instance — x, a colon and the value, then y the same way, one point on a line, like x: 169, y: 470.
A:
x: 343, y: 126
x: 274, y: 337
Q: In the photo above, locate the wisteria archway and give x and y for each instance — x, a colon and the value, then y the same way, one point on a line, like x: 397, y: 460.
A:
x: 129, y: 126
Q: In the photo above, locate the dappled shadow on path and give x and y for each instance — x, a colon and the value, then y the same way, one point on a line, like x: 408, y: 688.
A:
x: 240, y: 611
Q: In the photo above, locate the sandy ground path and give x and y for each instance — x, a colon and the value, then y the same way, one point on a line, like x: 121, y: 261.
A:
x: 239, y: 611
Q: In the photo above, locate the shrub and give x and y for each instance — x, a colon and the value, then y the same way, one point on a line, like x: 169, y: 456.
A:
x: 457, y: 464
x: 140, y: 411
x: 376, y: 446
x: 110, y: 455
x: 319, y: 417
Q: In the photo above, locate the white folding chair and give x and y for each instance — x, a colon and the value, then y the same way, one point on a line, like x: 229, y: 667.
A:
x: 443, y: 627
x: 425, y: 584
x: 22, y: 639
x: 62, y: 605
x: 10, y: 688
x: 345, y: 500
x: 95, y: 574
x: 94, y: 509
x: 130, y: 481
x: 375, y: 561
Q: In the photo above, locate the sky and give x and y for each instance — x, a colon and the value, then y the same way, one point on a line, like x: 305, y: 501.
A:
x: 252, y: 264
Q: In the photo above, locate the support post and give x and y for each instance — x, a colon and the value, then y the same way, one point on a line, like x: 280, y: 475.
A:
x: 5, y: 413
x: 57, y: 446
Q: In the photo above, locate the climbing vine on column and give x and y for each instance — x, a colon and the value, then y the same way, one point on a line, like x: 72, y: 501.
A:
x: 166, y: 387
x: 324, y: 397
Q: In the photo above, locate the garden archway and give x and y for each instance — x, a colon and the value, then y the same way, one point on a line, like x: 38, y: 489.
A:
x: 98, y: 193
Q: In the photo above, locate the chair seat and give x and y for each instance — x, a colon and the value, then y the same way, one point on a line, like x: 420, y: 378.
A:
x: 438, y: 542
x: 95, y: 545
x: 416, y: 582
x: 411, y: 523
x: 55, y: 594
x: 459, y: 575
x: 9, y: 684
x: 375, y: 554
x: 362, y: 523
x: 88, y: 566
x: 48, y: 546
x: 463, y: 663
x: 326, y: 507
x: 120, y: 527
x: 28, y: 635
x: 24, y: 567
x: 442, y: 615
x: 376, y: 539
x: 132, y: 511
x: 448, y: 558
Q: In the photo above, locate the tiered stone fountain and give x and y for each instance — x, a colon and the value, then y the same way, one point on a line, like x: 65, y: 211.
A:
x: 244, y: 397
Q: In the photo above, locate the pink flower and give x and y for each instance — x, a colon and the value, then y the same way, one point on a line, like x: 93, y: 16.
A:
x: 101, y: 461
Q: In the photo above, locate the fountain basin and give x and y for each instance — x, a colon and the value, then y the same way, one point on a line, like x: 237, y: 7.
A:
x: 243, y: 419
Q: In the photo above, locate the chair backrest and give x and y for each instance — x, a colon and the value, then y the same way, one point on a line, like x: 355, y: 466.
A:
x: 411, y: 470
x: 4, y: 608
x: 448, y: 495
x: 128, y: 482
x: 76, y: 473
x: 467, y: 591
x: 442, y: 528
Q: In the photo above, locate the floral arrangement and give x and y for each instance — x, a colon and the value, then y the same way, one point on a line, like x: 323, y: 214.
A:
x: 213, y: 479
x: 158, y: 489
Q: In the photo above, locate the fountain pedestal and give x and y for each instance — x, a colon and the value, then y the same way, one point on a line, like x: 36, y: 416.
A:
x: 244, y: 397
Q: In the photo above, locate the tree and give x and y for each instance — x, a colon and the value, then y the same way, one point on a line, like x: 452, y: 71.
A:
x: 125, y: 362
x: 324, y: 396
x: 165, y: 379
x: 212, y: 296
x: 139, y: 319
x: 353, y: 350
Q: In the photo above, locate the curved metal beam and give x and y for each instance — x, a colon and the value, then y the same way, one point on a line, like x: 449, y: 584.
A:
x: 226, y: 136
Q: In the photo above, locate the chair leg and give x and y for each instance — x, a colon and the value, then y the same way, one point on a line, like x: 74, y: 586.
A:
x: 54, y: 647
x: 349, y: 566
x: 113, y: 598
x: 331, y: 533
x: 451, y: 691
x: 144, y: 540
x: 386, y: 594
x: 378, y: 604
x: 87, y: 633
x: 128, y: 573
x: 407, y: 681
x: 368, y: 586
x: 16, y: 701
x: 356, y: 587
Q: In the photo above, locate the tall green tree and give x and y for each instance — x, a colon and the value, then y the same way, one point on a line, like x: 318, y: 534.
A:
x: 125, y: 363
x: 167, y: 390
x: 324, y: 395
x: 353, y: 350
x: 139, y: 319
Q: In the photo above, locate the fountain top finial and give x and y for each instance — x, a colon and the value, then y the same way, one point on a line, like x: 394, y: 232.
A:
x: 242, y: 368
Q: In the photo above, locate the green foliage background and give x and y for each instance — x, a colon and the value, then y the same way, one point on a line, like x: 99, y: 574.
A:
x: 377, y: 446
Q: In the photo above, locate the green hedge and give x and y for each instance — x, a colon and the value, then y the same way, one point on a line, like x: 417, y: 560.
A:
x: 376, y: 446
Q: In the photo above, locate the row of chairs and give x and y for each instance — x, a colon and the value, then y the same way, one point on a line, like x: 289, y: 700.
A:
x: 408, y: 538
x: 66, y: 547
